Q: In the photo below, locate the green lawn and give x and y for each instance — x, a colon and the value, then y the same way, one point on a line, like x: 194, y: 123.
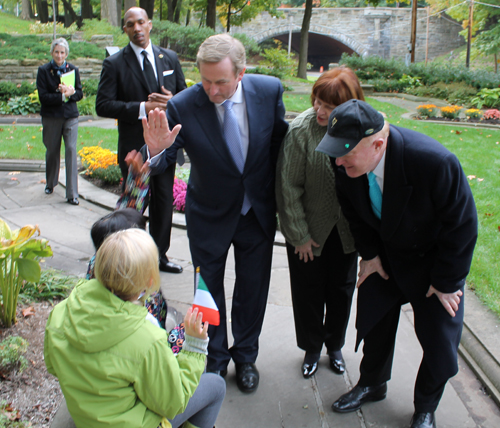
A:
x: 25, y: 142
x: 13, y: 24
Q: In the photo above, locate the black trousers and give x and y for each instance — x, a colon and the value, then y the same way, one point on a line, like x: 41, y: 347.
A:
x: 328, y: 282
x: 439, y: 335
x: 253, y: 251
x: 160, y: 207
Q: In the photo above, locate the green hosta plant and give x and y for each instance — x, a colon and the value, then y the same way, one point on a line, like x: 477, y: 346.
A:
x: 20, y: 252
x: 487, y: 98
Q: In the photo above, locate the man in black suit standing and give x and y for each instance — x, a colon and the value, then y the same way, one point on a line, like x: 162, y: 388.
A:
x: 414, y: 222
x: 136, y: 80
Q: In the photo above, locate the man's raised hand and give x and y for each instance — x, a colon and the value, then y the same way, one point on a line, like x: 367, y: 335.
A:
x: 157, y: 133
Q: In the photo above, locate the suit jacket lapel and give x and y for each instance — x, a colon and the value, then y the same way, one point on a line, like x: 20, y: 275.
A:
x: 396, y: 190
x: 160, y: 65
x: 131, y: 60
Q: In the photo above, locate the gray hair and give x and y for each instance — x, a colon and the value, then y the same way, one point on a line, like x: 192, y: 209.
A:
x: 216, y: 48
x: 61, y: 42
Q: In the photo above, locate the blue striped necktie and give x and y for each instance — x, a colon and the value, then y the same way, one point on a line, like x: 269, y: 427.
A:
x: 375, y: 195
x: 233, y: 141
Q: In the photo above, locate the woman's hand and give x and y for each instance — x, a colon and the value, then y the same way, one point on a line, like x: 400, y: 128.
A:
x: 305, y: 250
x: 66, y: 90
x: 193, y: 325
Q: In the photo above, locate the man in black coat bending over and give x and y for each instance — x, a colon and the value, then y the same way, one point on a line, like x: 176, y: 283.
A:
x: 413, y: 218
x: 136, y: 80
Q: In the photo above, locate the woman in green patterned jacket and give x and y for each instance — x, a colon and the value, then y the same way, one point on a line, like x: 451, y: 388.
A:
x: 321, y: 256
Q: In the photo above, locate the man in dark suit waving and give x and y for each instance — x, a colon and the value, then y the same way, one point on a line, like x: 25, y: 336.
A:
x: 136, y: 80
x: 414, y: 222
x: 232, y: 128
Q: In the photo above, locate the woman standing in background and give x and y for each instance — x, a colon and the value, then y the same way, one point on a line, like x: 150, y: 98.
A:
x: 60, y: 118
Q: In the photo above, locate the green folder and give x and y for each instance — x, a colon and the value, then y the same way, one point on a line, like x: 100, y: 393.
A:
x: 68, y: 79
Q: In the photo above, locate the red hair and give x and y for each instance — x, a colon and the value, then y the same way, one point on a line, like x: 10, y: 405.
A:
x: 337, y: 86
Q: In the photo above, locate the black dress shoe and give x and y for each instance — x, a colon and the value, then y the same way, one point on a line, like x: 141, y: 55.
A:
x: 423, y: 420
x: 338, y: 366
x: 309, y: 370
x: 48, y: 190
x: 221, y: 373
x: 73, y: 201
x: 247, y: 377
x: 359, y: 395
x: 166, y: 266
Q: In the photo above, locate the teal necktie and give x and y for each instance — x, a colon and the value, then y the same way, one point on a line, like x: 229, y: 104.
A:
x: 375, y: 195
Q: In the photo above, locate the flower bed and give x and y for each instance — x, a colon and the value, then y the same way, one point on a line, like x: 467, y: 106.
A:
x: 451, y: 114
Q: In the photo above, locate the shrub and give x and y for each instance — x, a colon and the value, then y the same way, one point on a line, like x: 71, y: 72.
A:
x: 410, y: 81
x: 48, y: 28
x: 473, y: 113
x: 100, y: 163
x: 183, y: 40
x: 450, y: 112
x: 491, y: 114
x: 487, y: 98
x: 427, y: 110
x: 374, y: 67
x: 11, y: 89
x: 90, y: 86
x: 19, y: 255
x: 86, y: 106
x: 278, y: 62
x: 12, y: 352
x: 384, y: 85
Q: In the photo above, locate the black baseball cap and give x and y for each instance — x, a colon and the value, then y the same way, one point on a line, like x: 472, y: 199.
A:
x: 348, y: 124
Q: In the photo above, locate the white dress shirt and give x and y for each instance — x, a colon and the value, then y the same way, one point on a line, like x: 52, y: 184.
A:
x: 140, y: 57
x: 379, y: 173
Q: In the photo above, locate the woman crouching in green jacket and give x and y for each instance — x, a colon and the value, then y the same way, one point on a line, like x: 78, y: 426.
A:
x: 115, y: 368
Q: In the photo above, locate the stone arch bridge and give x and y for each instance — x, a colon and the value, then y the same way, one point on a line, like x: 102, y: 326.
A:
x: 367, y: 31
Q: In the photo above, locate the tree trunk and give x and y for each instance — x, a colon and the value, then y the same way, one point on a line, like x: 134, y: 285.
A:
x: 228, y: 21
x: 304, y: 41
x: 27, y: 12
x: 171, y: 6
x: 70, y: 15
x: 148, y: 6
x: 86, y: 9
x: 188, y: 16
x: 211, y: 13
x: 177, y: 14
x: 43, y: 11
x: 111, y: 11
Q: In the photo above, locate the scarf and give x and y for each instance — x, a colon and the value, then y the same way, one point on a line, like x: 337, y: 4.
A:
x: 58, y: 70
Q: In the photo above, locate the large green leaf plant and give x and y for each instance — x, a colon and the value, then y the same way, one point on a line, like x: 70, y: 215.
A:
x: 20, y: 252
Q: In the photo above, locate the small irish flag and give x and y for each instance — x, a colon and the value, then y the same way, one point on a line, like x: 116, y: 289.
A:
x: 204, y: 301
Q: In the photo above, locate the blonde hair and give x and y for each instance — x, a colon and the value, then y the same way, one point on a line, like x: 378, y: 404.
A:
x: 126, y: 262
x: 217, y: 47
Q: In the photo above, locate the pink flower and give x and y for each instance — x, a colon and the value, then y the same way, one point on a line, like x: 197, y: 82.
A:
x: 179, y: 191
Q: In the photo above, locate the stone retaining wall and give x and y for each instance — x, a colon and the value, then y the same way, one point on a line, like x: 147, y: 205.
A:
x: 18, y: 71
